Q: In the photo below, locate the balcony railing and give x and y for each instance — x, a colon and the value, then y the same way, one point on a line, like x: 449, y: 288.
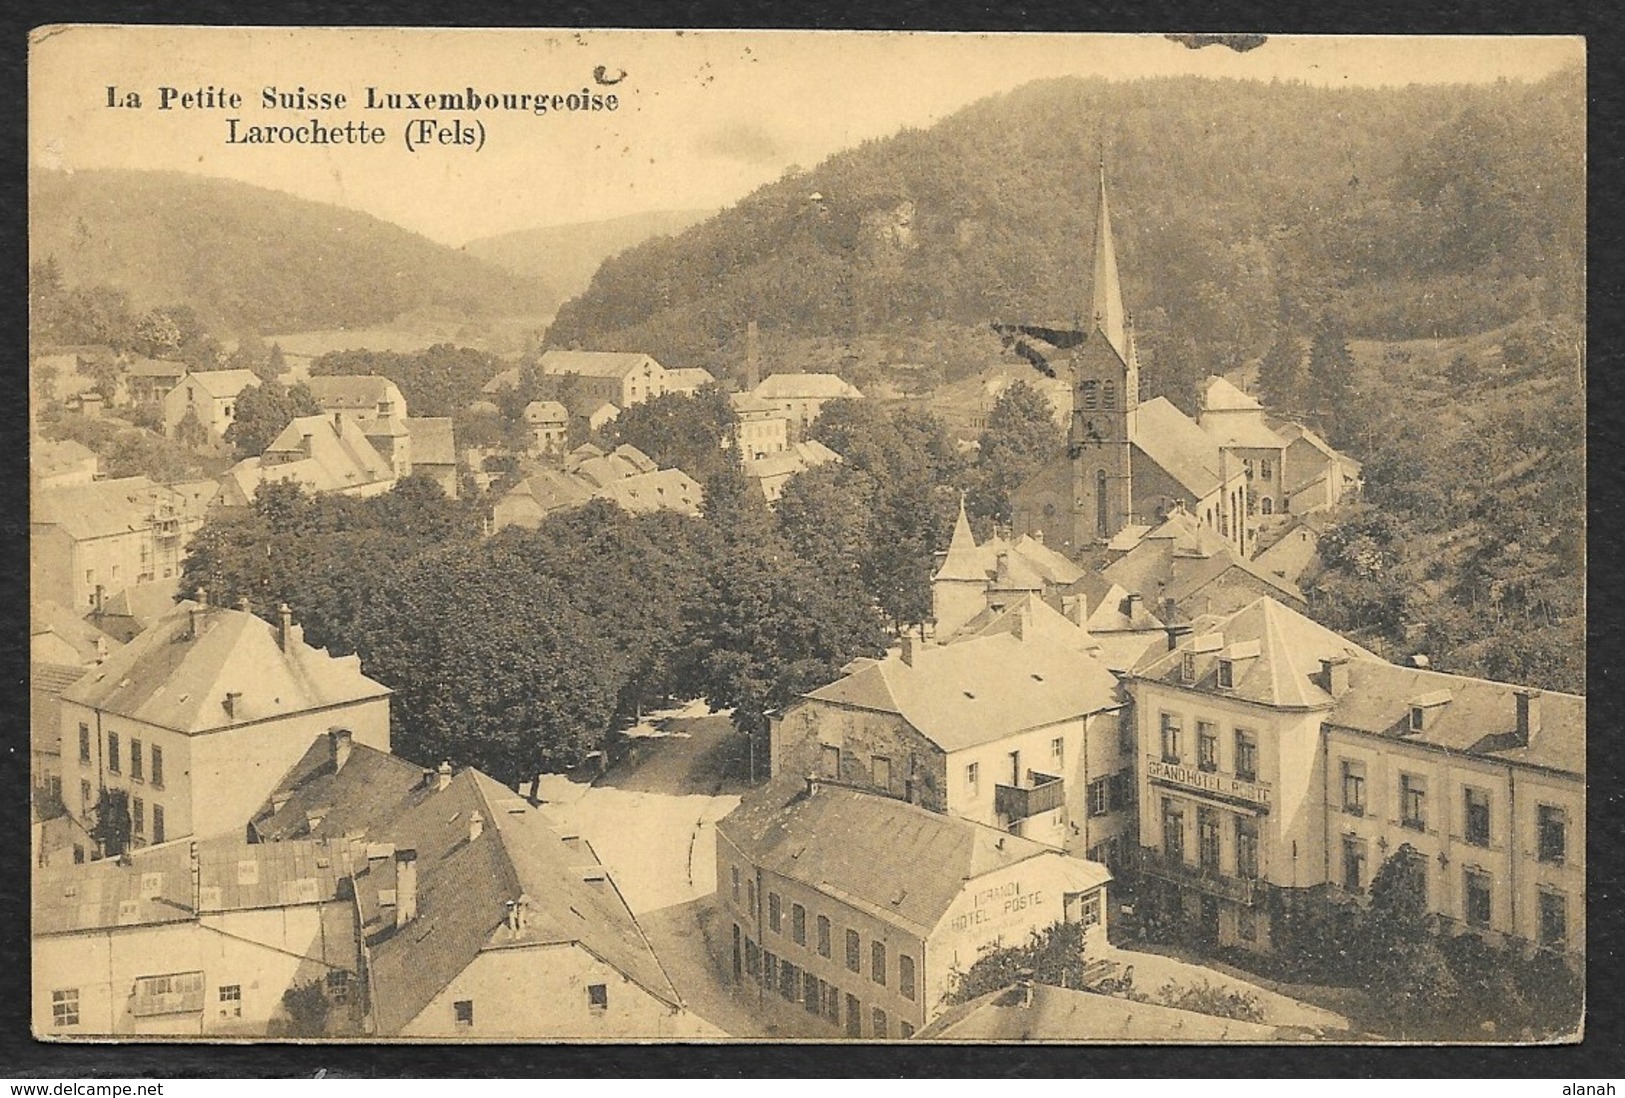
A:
x: 1045, y: 794
x: 1239, y: 890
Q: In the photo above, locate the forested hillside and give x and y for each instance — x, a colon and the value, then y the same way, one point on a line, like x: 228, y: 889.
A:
x: 248, y: 259
x: 1239, y: 208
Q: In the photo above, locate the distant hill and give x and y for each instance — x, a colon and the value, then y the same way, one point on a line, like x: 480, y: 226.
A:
x: 1239, y: 206
x: 565, y: 257
x: 248, y: 258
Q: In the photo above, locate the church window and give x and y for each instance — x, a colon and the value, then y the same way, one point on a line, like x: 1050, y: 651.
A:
x: 1090, y: 391
x: 1269, y: 506
x: 1108, y: 395
x: 1100, y: 503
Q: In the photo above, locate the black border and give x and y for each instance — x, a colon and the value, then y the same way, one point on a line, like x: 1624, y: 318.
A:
x: 1596, y: 1058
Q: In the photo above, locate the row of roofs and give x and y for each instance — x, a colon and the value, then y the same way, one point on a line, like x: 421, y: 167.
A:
x: 625, y: 476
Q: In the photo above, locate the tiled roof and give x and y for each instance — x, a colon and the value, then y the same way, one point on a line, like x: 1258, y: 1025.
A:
x: 433, y: 440
x: 981, y: 690
x: 337, y: 444
x: 662, y: 490
x: 351, y: 393
x: 1175, y: 443
x: 898, y: 861
x: 174, y: 678
x: 806, y: 387
x: 465, y: 886
x: 223, y: 383
x: 1475, y: 716
x: 689, y: 377
x: 1063, y: 1014
x: 610, y: 364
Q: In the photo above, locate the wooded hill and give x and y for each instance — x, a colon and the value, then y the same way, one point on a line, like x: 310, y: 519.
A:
x: 250, y: 259
x: 1238, y: 207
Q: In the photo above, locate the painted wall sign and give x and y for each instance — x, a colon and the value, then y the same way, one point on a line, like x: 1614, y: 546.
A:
x: 1207, y: 781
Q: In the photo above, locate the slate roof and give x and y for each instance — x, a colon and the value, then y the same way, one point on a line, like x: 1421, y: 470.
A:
x: 464, y: 889
x: 1219, y: 395
x: 1064, y: 1014
x: 52, y: 457
x: 546, y: 411
x: 126, y: 612
x: 1175, y: 443
x: 662, y: 490
x: 980, y: 690
x: 1181, y: 557
x: 361, y: 798
x: 170, y: 677
x: 102, y: 508
x: 1284, y: 674
x: 896, y: 860
x: 1029, y: 564
x: 222, y: 383
x: 433, y: 440
x: 609, y: 364
x: 351, y: 393
x: 796, y: 386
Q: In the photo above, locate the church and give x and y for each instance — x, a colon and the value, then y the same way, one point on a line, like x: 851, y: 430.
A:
x: 1131, y: 464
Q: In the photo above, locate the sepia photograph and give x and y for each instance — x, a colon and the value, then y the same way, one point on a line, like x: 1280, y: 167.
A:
x: 647, y: 537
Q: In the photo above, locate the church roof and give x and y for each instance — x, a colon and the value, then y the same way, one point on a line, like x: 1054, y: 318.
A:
x: 1172, y: 440
x: 962, y: 562
x: 1219, y: 395
x: 1106, y: 308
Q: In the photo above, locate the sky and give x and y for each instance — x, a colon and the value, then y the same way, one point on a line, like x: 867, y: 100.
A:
x: 703, y: 118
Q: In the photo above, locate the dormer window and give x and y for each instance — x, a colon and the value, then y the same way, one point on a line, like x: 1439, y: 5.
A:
x: 1418, y: 718
x: 1425, y: 709
x: 1187, y: 668
x: 1227, y: 674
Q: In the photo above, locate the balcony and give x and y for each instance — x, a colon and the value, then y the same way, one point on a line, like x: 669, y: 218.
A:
x: 1240, y: 890
x: 1042, y: 793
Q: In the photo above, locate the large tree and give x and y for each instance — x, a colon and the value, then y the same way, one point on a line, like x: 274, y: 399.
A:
x: 1021, y: 435
x: 692, y: 433
x: 263, y: 411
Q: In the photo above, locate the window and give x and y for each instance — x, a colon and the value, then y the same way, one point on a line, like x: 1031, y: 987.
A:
x: 905, y: 975
x: 770, y: 969
x: 854, y: 1016
x: 1353, y: 787
x: 830, y: 756
x: 598, y: 997
x: 1265, y: 469
x: 86, y: 803
x: 904, y: 1030
x: 1227, y: 674
x: 775, y: 914
x: 823, y: 936
x: 174, y: 993
x: 973, y: 774
x: 138, y: 816
x: 1418, y: 718
x: 1057, y: 751
x: 1090, y: 391
x: 832, y: 1002
x: 854, y: 952
x: 1412, y: 802
x: 1268, y: 505
x: 1476, y: 898
x: 880, y: 768
x: 798, y: 924
x: 84, y: 743
x: 65, y: 1007
x: 338, y: 986
x: 1207, y: 746
x: 157, y: 823
x: 1246, y: 848
x: 1246, y: 755
x: 462, y: 1012
x: 157, y: 766
x: 231, y: 1000
x: 877, y: 962
x: 1170, y: 738
x: 1554, y: 919
x: 1099, y: 797
x: 812, y: 995
x: 1551, y: 823
x: 112, y: 753
x: 1477, y: 805
x: 1207, y: 838
x: 879, y: 1023
x: 135, y: 761
x: 1187, y: 668
x: 1173, y: 831
x: 736, y: 884
x: 1353, y: 863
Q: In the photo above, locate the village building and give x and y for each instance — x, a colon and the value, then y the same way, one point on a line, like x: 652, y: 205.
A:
x: 197, y: 718
x: 106, y: 535
x: 773, y: 472
x: 1017, y: 728
x: 1280, y: 761
x: 434, y: 451
x: 625, y: 476
x: 377, y: 406
x: 850, y: 913
x: 208, y: 398
x: 1187, y: 563
x: 763, y: 427
x: 971, y: 573
x: 623, y: 378
x: 194, y: 938
x: 800, y: 397
x: 324, y: 454
x: 549, y: 424
x: 53, y: 464
x: 688, y: 380
x: 151, y: 379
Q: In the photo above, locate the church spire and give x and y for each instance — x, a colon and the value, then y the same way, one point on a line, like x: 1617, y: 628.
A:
x: 1106, y: 312
x: 962, y: 561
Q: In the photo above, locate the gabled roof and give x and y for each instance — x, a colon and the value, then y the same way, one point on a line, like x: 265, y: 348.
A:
x: 1219, y: 395
x: 794, y: 386
x: 101, y: 508
x: 465, y: 887
x: 128, y: 611
x: 900, y: 862
x: 546, y: 411
x: 609, y: 364
x: 749, y: 404
x: 339, y: 447
x: 689, y: 377
x: 552, y: 490
x: 1181, y: 557
x: 1033, y: 617
x: 1028, y: 564
x: 803, y: 455
x: 981, y: 690
x: 1475, y: 716
x: 222, y: 383
x: 352, y: 392
x: 1284, y: 674
x: 506, y: 379
x: 360, y: 798
x: 661, y: 490
x: 47, y: 457
x: 177, y: 678
x: 434, y: 441
x: 1174, y: 442
x: 1047, y: 1013
x: 47, y: 618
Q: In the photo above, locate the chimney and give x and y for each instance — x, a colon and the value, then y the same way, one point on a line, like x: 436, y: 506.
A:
x: 338, y: 747
x: 338, y: 422
x: 442, y: 777
x: 908, y: 651
x: 202, y: 607
x: 1177, y: 631
x: 476, y: 825
x: 1132, y: 607
x: 101, y: 600
x: 244, y: 605
x: 812, y: 784
x: 1002, y: 570
x: 101, y: 649
x: 285, y: 630
x: 1334, y: 675
x: 231, y: 703
x: 1020, y: 620
x: 406, y: 887
x: 753, y: 364
x: 519, y: 913
x: 1528, y: 713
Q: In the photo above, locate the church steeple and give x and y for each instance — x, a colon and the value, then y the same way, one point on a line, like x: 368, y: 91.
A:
x: 1106, y: 313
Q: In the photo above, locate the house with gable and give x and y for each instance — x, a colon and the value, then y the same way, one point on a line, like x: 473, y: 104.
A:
x: 376, y: 405
x: 799, y: 397
x: 322, y: 454
x: 622, y: 378
x: 209, y: 397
